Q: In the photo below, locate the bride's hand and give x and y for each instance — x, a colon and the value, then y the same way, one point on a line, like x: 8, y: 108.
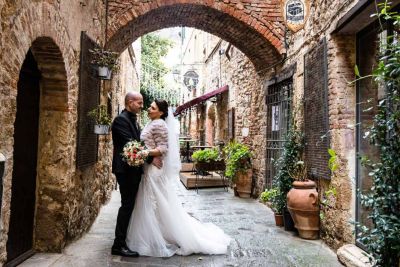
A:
x: 157, y: 161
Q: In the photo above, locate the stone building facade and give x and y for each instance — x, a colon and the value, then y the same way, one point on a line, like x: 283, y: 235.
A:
x: 40, y: 49
x: 317, y: 59
x: 315, y: 73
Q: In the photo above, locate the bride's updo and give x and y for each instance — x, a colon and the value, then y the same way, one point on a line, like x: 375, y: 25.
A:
x: 163, y: 107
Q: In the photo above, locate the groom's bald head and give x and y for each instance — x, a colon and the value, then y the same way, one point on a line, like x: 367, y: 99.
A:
x: 133, y: 102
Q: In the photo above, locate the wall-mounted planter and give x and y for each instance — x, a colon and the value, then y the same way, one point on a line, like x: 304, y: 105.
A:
x: 104, y: 73
x: 101, y: 129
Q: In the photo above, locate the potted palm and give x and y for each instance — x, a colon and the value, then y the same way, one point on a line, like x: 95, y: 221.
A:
x: 238, y: 167
x: 272, y: 199
x: 302, y: 202
x: 102, y: 119
x: 105, y: 61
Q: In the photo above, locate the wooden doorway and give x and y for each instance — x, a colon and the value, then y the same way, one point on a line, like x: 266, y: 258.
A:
x: 23, y: 199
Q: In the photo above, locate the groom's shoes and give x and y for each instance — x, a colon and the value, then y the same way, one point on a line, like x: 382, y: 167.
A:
x: 124, y: 251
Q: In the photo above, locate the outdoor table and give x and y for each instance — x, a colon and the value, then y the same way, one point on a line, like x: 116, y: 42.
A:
x: 200, y: 147
x: 188, y: 147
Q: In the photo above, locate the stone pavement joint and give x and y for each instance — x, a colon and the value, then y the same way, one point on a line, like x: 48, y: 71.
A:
x: 256, y: 239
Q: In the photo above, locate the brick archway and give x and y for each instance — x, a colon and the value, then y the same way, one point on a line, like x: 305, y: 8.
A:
x: 54, y: 77
x: 256, y: 29
x: 51, y: 46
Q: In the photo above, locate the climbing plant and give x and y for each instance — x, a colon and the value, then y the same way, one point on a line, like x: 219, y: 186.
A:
x: 286, y: 164
x: 383, y: 200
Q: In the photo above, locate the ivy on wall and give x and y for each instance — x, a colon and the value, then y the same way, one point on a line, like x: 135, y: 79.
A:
x: 383, y: 201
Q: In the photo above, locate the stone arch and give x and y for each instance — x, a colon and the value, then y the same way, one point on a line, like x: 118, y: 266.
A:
x: 53, y: 166
x: 50, y: 44
x: 256, y: 31
x: 54, y: 77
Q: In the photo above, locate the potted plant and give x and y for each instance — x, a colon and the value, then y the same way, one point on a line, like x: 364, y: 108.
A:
x: 106, y: 62
x: 302, y: 202
x: 102, y: 119
x: 208, y: 160
x: 238, y: 167
x: 272, y: 199
x: 292, y: 151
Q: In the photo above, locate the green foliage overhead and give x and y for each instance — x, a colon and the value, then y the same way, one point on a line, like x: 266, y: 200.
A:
x: 152, y: 85
x: 154, y: 48
x: 383, y: 201
x: 237, y: 159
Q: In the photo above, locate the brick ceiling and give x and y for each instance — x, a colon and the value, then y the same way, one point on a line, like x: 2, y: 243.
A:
x: 254, y: 27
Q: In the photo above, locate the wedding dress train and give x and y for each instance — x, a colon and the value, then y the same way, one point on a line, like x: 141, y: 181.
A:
x: 159, y: 225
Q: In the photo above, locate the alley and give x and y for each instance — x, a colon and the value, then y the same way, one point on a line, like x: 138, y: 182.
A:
x: 256, y: 239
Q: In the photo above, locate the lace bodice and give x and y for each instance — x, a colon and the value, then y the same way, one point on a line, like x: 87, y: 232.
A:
x: 155, y: 135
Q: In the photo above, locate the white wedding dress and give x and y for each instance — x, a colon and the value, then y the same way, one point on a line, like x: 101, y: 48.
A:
x: 159, y: 226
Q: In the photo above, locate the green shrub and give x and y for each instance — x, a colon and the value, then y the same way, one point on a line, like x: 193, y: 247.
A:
x: 206, y: 155
x: 237, y: 158
x: 273, y: 197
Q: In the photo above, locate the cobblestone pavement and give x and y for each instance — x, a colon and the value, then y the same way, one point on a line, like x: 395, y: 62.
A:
x: 257, y: 241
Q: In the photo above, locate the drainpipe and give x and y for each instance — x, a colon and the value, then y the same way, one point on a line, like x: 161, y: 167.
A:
x: 2, y: 167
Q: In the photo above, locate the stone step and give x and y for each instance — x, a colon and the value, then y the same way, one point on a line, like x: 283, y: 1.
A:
x: 188, y: 179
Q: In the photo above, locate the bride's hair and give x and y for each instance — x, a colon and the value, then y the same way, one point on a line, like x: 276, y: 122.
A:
x: 163, y: 107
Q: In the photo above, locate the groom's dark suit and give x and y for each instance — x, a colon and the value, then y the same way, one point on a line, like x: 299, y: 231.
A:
x: 124, y: 129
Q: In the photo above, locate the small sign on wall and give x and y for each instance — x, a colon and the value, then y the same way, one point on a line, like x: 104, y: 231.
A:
x: 275, y: 118
x: 295, y: 13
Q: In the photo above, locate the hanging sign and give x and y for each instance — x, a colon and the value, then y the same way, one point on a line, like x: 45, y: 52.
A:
x: 295, y: 13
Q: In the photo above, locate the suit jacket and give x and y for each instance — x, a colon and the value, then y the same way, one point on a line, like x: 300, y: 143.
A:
x: 123, y: 130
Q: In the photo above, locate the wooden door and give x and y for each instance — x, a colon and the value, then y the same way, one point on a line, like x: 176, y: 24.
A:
x: 20, y: 234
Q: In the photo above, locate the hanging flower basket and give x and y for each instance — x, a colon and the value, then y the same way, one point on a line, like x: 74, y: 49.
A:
x: 102, y: 119
x: 101, y: 129
x: 106, y: 62
x: 104, y: 73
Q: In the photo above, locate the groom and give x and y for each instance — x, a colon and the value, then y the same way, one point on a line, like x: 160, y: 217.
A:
x: 124, y: 129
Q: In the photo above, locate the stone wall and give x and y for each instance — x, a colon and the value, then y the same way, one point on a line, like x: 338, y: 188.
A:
x: 335, y: 228
x: 246, y: 94
x: 68, y: 199
x: 246, y: 97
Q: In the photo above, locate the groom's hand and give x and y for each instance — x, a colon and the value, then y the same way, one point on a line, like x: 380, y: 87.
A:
x: 157, y: 162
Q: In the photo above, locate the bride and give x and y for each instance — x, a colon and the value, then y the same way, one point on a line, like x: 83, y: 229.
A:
x: 159, y: 226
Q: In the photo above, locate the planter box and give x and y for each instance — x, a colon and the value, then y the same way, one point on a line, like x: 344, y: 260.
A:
x: 210, y: 166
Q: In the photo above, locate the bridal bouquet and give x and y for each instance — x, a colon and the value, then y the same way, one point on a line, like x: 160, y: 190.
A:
x: 134, y: 153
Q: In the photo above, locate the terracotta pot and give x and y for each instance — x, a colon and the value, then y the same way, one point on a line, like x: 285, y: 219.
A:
x: 243, y: 183
x: 302, y: 202
x: 278, y: 219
